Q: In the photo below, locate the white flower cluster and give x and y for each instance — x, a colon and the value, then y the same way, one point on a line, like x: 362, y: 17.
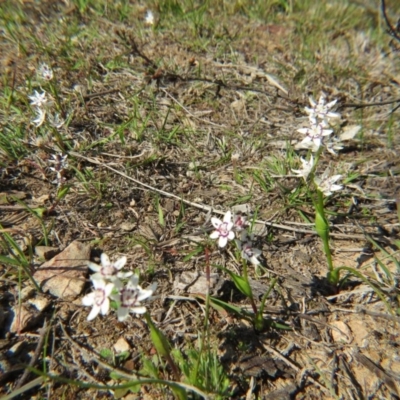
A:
x: 42, y: 102
x: 108, y: 285
x: 325, y: 183
x: 60, y: 164
x: 319, y: 118
x: 225, y: 231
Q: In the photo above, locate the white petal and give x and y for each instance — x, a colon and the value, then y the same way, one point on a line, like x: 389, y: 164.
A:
x: 94, y: 267
x: 254, y: 260
x: 96, y: 277
x: 98, y: 283
x: 144, y: 294
x: 334, y: 178
x: 133, y: 281
x: 138, y: 310
x: 104, y: 259
x: 109, y: 288
x: 326, y: 132
x: 222, y: 241
x: 123, y: 275
x: 118, y: 284
x: 88, y: 299
x: 331, y: 104
x: 105, y: 306
x: 229, y: 226
x: 335, y: 188
x: 228, y: 217
x: 120, y: 263
x: 304, y: 131
x: 231, y: 235
x: 153, y: 287
x: 214, y: 235
x: 122, y: 313
x: 216, y: 222
x: 94, y: 313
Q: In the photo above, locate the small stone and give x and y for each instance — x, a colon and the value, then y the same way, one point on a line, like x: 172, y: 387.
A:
x: 121, y: 345
x: 242, y: 208
x: 342, y: 333
x: 26, y: 293
x: 41, y: 200
x: 46, y: 252
x: 23, y: 317
x: 40, y: 302
x: 16, y: 349
x: 65, y: 274
x: 128, y: 226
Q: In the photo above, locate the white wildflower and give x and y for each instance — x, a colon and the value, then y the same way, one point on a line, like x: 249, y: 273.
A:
x: 248, y: 252
x: 239, y: 222
x: 129, y: 297
x: 306, y: 168
x: 40, y: 117
x: 149, y: 18
x: 333, y: 146
x: 45, y: 72
x: 56, y: 121
x: 99, y: 298
x: 109, y: 271
x: 60, y: 165
x: 223, y: 230
x: 314, y: 136
x: 38, y: 99
x: 321, y: 110
x: 326, y: 184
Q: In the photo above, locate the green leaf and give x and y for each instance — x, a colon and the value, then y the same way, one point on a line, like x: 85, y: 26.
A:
x: 242, y: 284
x: 333, y: 276
x: 159, y: 340
x: 193, y: 253
x: 106, y: 353
x: 321, y: 226
x: 8, y: 260
x: 63, y: 192
x: 221, y: 305
x: 278, y: 325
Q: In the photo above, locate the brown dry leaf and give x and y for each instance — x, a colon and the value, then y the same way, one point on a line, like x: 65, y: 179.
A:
x: 64, y: 275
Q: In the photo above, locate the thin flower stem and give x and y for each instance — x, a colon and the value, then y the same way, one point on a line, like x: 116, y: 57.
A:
x: 54, y: 91
x: 311, y: 175
x: 252, y: 302
x: 325, y: 237
x: 59, y: 140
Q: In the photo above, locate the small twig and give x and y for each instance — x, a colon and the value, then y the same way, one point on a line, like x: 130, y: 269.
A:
x: 391, y: 30
x: 362, y: 105
x: 110, y: 91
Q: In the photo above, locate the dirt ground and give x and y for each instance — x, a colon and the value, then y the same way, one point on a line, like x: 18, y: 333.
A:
x: 189, y: 119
